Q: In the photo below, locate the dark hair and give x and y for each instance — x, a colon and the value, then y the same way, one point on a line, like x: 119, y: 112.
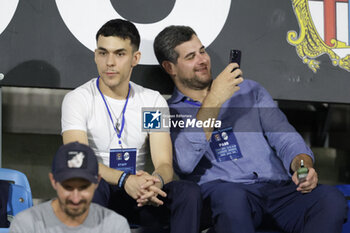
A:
x: 166, y: 41
x: 123, y: 29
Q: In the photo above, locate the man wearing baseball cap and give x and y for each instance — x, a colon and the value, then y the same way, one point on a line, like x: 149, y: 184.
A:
x: 75, y: 178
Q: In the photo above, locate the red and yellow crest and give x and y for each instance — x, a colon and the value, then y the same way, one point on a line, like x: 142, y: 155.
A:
x: 324, y: 29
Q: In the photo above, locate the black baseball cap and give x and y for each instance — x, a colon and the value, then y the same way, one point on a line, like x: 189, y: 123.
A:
x: 75, y: 160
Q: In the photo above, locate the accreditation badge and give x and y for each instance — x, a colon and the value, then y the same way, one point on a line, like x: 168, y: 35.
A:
x: 123, y: 160
x: 224, y: 145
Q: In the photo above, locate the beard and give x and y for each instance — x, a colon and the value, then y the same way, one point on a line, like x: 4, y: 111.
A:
x: 196, y: 83
x: 73, y: 213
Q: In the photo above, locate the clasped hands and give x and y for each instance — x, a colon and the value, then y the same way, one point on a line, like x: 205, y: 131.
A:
x: 144, y: 188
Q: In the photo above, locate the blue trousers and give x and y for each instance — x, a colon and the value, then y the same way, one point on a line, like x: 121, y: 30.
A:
x: 242, y: 208
x: 182, y: 206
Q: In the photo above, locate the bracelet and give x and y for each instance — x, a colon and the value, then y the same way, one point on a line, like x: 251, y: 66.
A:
x: 122, y: 180
x: 160, y: 178
x: 125, y: 179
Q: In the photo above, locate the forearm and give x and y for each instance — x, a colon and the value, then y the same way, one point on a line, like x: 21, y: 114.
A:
x: 222, y: 89
x: 162, y: 155
x: 110, y: 175
x: 295, y: 165
x: 165, y: 171
x: 209, y: 110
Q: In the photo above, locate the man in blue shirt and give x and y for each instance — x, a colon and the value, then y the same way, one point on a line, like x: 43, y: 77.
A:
x: 239, y: 146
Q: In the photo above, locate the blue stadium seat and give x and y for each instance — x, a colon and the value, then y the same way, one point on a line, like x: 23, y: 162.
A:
x: 20, y: 195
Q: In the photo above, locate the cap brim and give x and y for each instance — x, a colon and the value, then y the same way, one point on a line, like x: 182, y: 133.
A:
x: 62, y: 176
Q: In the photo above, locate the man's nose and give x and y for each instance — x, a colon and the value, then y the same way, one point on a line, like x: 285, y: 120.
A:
x: 110, y: 60
x: 203, y: 58
x: 75, y: 196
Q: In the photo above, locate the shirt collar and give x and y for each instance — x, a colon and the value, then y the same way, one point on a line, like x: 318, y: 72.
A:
x: 176, y: 97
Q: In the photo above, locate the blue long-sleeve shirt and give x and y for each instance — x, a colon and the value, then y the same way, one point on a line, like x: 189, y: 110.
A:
x: 268, y: 143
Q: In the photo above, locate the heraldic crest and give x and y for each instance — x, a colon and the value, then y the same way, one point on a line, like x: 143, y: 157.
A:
x: 310, y: 44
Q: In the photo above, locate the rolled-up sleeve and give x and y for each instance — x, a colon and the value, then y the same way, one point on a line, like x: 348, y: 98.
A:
x: 280, y: 134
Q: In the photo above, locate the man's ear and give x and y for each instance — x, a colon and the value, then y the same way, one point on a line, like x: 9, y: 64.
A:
x: 98, y: 182
x: 136, y: 58
x: 169, y: 68
x: 52, y: 180
x: 95, y: 55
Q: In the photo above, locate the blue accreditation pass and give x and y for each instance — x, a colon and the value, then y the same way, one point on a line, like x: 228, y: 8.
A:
x: 224, y: 145
x: 123, y: 160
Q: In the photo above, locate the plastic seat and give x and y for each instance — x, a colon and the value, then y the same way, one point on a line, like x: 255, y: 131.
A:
x: 20, y: 195
x: 4, y: 230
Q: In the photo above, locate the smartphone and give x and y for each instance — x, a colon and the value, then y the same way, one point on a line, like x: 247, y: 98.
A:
x: 235, y: 56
